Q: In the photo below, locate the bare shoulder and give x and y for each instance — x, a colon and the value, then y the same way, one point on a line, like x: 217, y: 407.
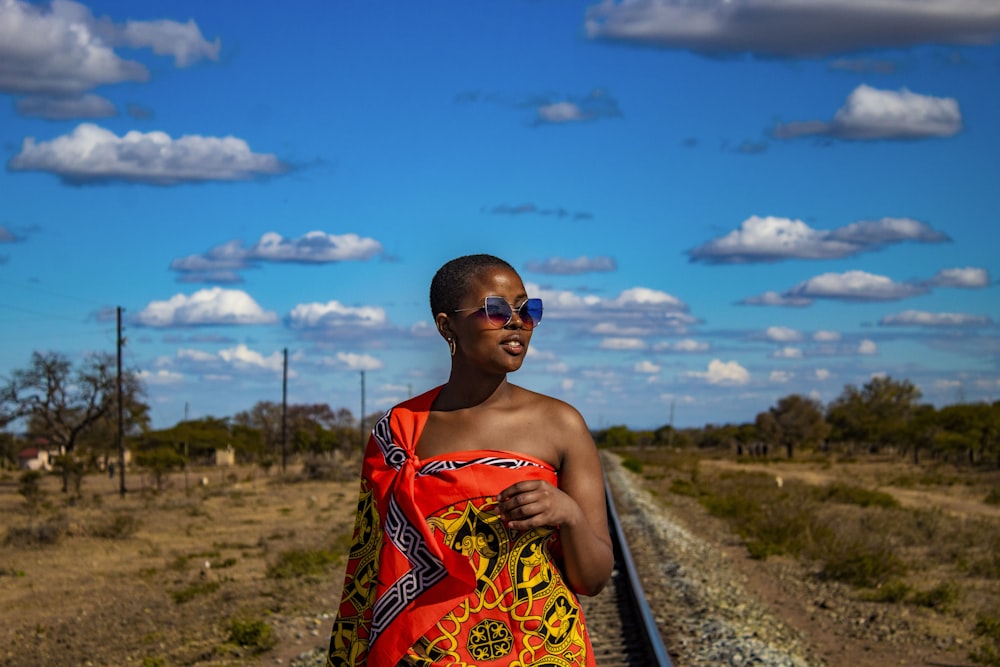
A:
x: 558, y: 412
x: 557, y: 421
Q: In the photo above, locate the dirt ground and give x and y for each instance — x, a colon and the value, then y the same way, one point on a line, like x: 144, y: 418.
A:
x: 841, y: 628
x: 165, y: 591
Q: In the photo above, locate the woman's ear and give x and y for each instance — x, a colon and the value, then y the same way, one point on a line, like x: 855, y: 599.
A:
x: 443, y: 326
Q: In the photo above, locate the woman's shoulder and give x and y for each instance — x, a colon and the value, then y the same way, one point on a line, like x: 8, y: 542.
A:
x: 551, y: 409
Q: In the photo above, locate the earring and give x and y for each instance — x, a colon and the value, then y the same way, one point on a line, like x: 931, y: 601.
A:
x: 452, y: 346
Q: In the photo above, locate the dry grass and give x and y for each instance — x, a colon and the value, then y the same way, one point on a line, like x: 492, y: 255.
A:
x: 918, y: 536
x: 238, y: 572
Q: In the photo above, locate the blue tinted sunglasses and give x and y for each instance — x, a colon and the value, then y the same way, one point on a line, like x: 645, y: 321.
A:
x: 499, y: 313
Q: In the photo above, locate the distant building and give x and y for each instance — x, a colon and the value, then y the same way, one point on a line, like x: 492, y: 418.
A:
x: 33, y: 458
x: 225, y: 457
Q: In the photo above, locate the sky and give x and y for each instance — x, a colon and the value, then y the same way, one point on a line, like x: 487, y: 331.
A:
x: 720, y: 202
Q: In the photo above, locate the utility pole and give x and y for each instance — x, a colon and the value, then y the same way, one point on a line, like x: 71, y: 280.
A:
x: 361, y: 422
x: 284, y: 411
x: 121, y: 412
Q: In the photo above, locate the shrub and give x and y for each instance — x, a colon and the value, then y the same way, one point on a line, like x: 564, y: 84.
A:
x: 253, y: 634
x: 302, y: 563
x: 862, y: 563
x: 36, y: 535
x: 194, y: 590
x: 892, y: 591
x: 941, y: 597
x: 988, y: 628
x: 120, y: 526
x: 855, y: 495
x: 631, y: 464
x: 993, y: 497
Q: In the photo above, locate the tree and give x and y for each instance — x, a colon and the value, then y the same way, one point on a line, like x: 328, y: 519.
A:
x: 878, y: 414
x: 160, y: 462
x: 799, y: 421
x: 59, y: 403
x: 62, y: 404
x: 616, y: 436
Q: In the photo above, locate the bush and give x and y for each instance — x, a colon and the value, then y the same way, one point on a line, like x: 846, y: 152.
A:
x: 988, y: 628
x: 631, y: 464
x: 855, y: 495
x: 993, y: 497
x: 941, y: 597
x: 253, y: 634
x: 302, y: 563
x: 892, y: 591
x: 36, y: 535
x: 194, y: 590
x: 862, y: 563
x: 120, y: 526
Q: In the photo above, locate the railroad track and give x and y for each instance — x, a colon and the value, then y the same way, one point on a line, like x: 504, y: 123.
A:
x: 622, y: 628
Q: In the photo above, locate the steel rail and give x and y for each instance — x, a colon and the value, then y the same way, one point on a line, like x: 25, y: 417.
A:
x: 648, y: 631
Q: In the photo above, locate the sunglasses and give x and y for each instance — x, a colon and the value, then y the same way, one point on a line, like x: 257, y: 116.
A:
x: 499, y: 313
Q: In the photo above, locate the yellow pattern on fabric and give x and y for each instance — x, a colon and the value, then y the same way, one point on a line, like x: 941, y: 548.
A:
x: 359, y: 586
x: 521, y: 610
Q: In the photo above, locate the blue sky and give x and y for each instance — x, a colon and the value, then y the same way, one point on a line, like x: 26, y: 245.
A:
x: 721, y: 202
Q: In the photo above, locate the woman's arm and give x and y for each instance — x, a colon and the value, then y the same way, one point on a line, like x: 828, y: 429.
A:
x: 577, y: 507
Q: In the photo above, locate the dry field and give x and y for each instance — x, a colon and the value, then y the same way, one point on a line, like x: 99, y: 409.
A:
x: 246, y: 570
x: 924, y: 537
x: 179, y: 577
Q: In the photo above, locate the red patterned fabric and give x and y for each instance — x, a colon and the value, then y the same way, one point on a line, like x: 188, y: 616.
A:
x: 434, y: 576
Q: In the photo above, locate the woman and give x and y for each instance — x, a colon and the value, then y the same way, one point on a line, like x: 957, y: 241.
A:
x: 482, y: 507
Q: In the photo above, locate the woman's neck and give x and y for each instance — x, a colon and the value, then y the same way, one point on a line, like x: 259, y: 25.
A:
x: 461, y: 393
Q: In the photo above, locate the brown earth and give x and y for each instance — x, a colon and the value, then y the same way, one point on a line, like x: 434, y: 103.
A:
x: 166, y: 592
x: 839, y: 625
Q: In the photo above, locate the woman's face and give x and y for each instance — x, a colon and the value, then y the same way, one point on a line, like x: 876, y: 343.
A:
x: 478, y: 342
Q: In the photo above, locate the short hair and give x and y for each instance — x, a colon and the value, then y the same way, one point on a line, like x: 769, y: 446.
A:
x: 452, y: 280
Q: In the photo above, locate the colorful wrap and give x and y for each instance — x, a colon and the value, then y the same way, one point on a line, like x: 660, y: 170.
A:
x: 434, y: 576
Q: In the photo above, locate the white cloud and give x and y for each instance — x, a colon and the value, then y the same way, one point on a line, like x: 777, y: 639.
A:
x: 91, y: 154
x: 967, y: 277
x: 780, y: 377
x: 623, y: 344
x: 56, y: 52
x: 314, y: 247
x: 560, y: 112
x: 160, y: 377
x: 782, y: 334
x: 685, y: 345
x: 644, y: 296
x: 334, y: 314
x: 350, y: 361
x: 870, y: 113
x: 646, y: 367
x: 242, y: 357
x: 855, y: 286
x: 922, y: 318
x: 867, y: 347
x: 615, y: 329
x: 821, y: 374
x: 636, y: 308
x: 566, y: 267
x: 771, y: 298
x: 207, y: 306
x: 787, y: 353
x: 793, y: 28
x: 724, y: 373
x: 823, y: 336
